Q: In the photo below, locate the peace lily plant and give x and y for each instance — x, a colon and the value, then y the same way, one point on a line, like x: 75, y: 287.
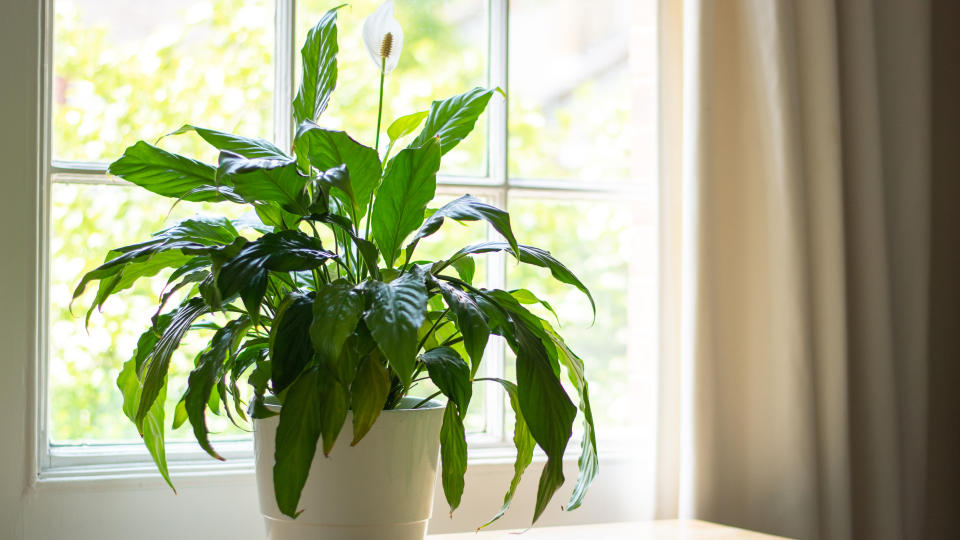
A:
x: 317, y: 297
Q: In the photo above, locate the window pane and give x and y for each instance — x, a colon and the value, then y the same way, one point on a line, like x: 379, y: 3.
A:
x: 570, y: 89
x: 444, y: 54
x: 610, y: 247
x: 85, y: 404
x: 131, y: 69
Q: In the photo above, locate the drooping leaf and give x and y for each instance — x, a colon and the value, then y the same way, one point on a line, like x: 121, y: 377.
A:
x: 201, y: 381
x: 155, y: 365
x: 526, y: 296
x: 266, y: 180
x: 470, y: 321
x: 338, y: 177
x: 290, y: 347
x: 522, y: 441
x: 319, y: 76
x: 334, y: 404
x: 368, y: 395
x: 166, y: 174
x: 129, y: 385
x: 296, y: 441
x: 395, y: 312
x: 453, y: 455
x: 405, y: 125
x: 244, y: 146
x: 546, y: 408
x: 325, y: 149
x: 337, y: 309
x: 409, y: 183
x: 451, y: 375
x: 453, y: 119
x: 528, y: 255
x: 468, y: 208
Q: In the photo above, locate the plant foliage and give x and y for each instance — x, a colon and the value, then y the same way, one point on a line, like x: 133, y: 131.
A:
x: 323, y: 327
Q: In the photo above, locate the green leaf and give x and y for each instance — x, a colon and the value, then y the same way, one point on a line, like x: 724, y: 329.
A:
x: 337, y: 309
x: 368, y: 251
x: 522, y: 441
x: 405, y: 125
x: 155, y: 365
x: 409, y: 183
x: 451, y: 375
x: 588, y: 463
x: 395, y: 312
x: 546, y: 408
x: 466, y: 268
x: 204, y: 377
x: 368, y: 395
x: 296, y: 441
x: 528, y: 255
x: 526, y: 296
x: 266, y: 180
x: 244, y: 146
x: 468, y: 208
x: 453, y: 455
x: 290, y: 347
x: 153, y: 429
x: 167, y: 174
x: 334, y: 404
x: 325, y: 149
x: 470, y: 321
x: 319, y: 76
x: 284, y: 251
x: 339, y: 178
x: 453, y: 119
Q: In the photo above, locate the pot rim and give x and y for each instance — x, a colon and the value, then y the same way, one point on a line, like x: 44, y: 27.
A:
x: 431, y: 405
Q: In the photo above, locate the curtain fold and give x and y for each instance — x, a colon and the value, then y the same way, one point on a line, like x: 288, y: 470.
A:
x: 795, y: 246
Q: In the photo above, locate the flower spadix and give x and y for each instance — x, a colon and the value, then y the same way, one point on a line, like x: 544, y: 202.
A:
x: 383, y: 37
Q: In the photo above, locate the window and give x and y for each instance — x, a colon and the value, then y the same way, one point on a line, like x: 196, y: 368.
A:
x: 572, y: 157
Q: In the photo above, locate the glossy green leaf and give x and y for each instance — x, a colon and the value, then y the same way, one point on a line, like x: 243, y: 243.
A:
x: 244, y: 146
x: 201, y: 381
x: 394, y: 314
x: 470, y: 321
x: 266, y: 180
x: 167, y: 174
x: 528, y: 255
x: 466, y: 268
x: 339, y: 178
x: 296, y: 441
x: 334, y: 404
x: 319, y: 75
x: 153, y: 428
x: 409, y: 183
x: 468, y: 208
x: 522, y: 441
x: 451, y: 375
x: 325, y: 149
x: 547, y: 409
x: 452, y: 119
x: 337, y: 309
x: 368, y: 395
x: 290, y: 347
x: 453, y: 455
x: 155, y: 365
x: 405, y: 125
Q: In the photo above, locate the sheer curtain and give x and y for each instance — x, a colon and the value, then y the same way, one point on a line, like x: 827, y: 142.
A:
x: 796, y: 240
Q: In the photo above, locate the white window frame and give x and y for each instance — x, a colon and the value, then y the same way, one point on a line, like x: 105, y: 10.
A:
x: 61, y: 477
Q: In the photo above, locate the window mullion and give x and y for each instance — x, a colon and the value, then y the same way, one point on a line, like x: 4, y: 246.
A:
x: 284, y: 57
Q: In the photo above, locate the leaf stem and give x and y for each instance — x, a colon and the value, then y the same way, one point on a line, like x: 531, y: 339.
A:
x: 425, y: 400
x: 376, y: 145
x: 432, y: 328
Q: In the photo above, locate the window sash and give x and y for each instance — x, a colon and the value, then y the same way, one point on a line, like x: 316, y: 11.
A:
x: 63, y: 461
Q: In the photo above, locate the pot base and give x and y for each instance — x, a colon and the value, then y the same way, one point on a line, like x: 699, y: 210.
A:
x: 294, y: 530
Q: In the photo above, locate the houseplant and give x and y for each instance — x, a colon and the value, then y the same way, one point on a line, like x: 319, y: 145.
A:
x: 316, y: 298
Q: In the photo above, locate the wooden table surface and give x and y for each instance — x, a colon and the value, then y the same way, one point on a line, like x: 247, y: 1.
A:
x: 644, y: 530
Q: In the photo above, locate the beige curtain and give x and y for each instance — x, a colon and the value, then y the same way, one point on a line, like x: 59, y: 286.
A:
x: 795, y: 246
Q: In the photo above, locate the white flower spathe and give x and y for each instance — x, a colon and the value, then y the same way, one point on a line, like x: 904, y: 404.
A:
x: 383, y: 37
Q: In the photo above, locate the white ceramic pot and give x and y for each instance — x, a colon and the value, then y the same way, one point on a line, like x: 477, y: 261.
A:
x: 380, y: 489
